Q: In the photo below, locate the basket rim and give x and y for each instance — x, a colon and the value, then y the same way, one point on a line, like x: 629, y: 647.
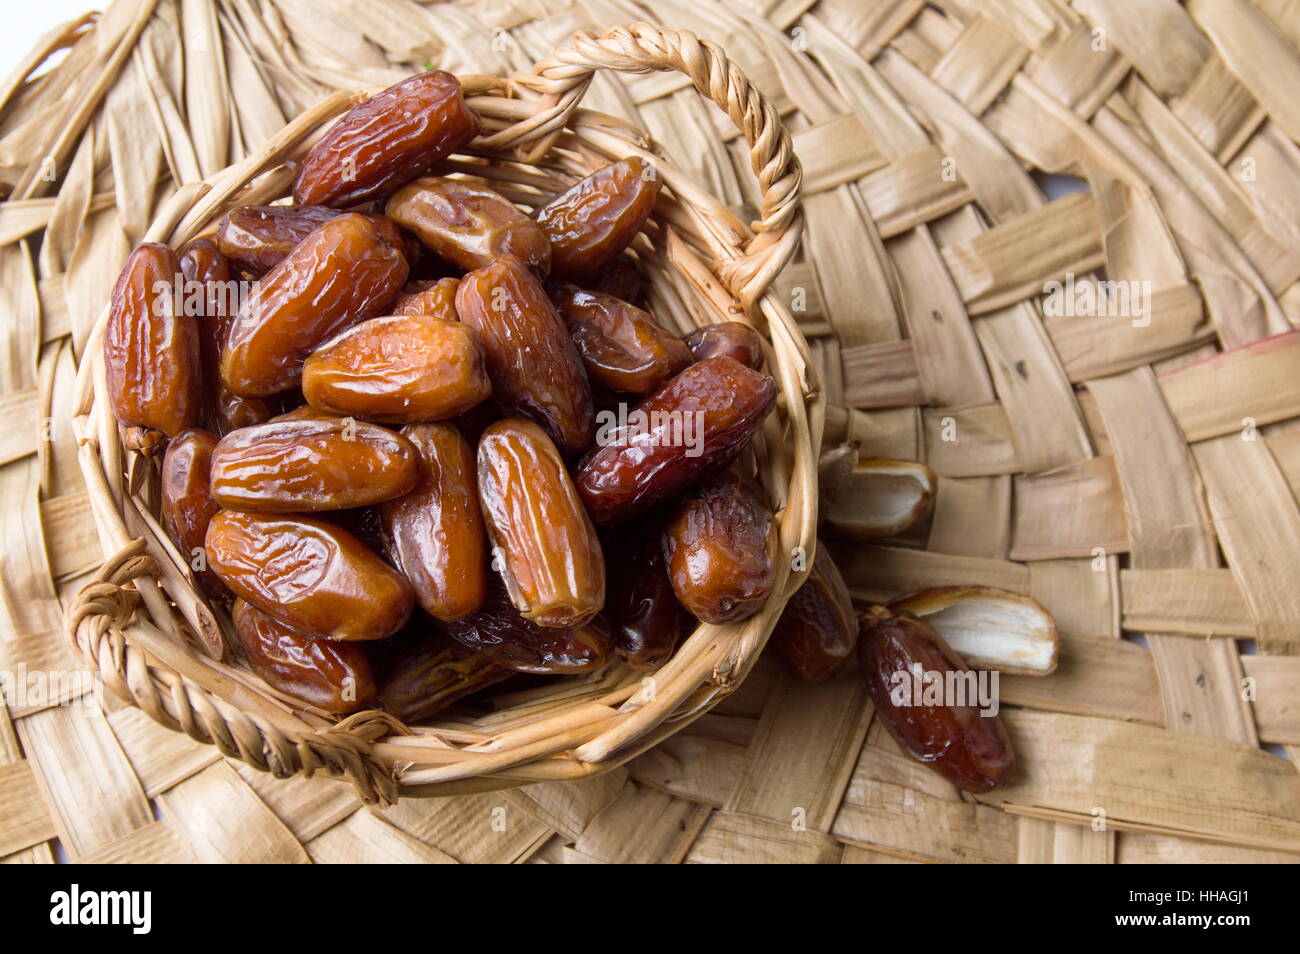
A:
x: 130, y: 622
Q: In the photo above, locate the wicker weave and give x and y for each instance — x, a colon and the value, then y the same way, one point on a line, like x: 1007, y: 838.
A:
x: 1133, y: 473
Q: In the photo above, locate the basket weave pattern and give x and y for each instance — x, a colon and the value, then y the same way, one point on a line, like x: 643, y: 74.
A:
x: 1133, y: 472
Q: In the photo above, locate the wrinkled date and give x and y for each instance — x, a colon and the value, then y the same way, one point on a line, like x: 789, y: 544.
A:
x: 547, y: 549
x: 398, y: 369
x: 970, y: 750
x: 720, y: 546
x: 391, y: 138
x: 203, y: 263
x: 308, y: 465
x: 187, y: 504
x: 531, y: 360
x: 310, y: 575
x: 621, y: 346
x: 258, y: 237
x: 469, y: 224
x: 151, y: 353
x: 693, y: 426
x: 735, y: 339
x: 642, y: 609
x: 327, y: 674
x: 435, y: 533
x: 591, y: 223
x: 503, y: 636
x: 429, y: 672
x: 344, y: 271
x: 436, y: 299
x: 818, y: 630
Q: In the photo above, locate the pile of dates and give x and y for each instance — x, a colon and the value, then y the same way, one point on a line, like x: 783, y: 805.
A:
x: 389, y: 458
x: 439, y: 443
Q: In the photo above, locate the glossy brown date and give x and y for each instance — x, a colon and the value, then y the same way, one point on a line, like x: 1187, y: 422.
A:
x: 435, y: 533
x: 720, y: 546
x: 398, y: 369
x: 151, y: 353
x: 642, y: 609
x: 503, y: 636
x: 970, y: 750
x: 735, y: 339
x: 204, y: 265
x: 330, y: 675
x: 590, y: 224
x: 531, y: 360
x: 429, y: 671
x: 435, y: 298
x: 622, y: 347
x: 818, y: 630
x: 543, y: 541
x: 258, y: 237
x: 187, y: 504
x: 693, y: 426
x: 300, y: 466
x: 341, y: 273
x: 387, y: 141
x: 312, y: 576
x: 469, y: 224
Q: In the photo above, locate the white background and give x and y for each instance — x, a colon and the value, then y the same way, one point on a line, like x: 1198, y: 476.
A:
x: 26, y: 21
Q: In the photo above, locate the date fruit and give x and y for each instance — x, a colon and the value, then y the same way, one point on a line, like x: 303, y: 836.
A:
x: 732, y: 338
x: 590, y: 224
x: 343, y: 272
x: 187, y: 504
x: 547, y: 550
x: 503, y: 636
x: 720, y: 546
x: 398, y: 369
x: 642, y: 609
x: 436, y: 299
x: 900, y: 656
x: 469, y: 224
x: 310, y: 575
x: 258, y: 237
x: 435, y: 533
x: 430, y: 672
x: 622, y: 347
x: 531, y: 360
x: 333, y: 676
x: 385, y: 142
x: 693, y: 426
x: 151, y: 353
x: 818, y: 630
x: 308, y: 465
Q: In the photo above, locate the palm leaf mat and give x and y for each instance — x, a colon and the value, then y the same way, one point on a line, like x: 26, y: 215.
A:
x: 1135, y: 473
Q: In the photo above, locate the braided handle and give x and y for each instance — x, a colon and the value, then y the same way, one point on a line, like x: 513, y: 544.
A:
x: 563, y: 78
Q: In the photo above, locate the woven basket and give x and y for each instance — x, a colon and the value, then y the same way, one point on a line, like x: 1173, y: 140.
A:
x: 143, y: 622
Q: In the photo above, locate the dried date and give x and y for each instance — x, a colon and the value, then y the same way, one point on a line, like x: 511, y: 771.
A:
x: 344, y: 271
x: 732, y: 338
x: 330, y: 675
x: 385, y: 142
x: 187, y: 504
x: 905, y: 662
x: 531, y: 360
x: 622, y: 347
x: 693, y: 426
x: 151, y: 352
x: 305, y: 465
x: 398, y: 369
x: 310, y: 575
x: 469, y: 224
x: 435, y: 533
x: 434, y: 298
x: 591, y: 223
x: 817, y: 631
x: 720, y: 546
x: 549, y: 555
x: 429, y: 672
x: 642, y: 609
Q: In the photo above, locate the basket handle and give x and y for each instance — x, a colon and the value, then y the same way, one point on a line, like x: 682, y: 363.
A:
x: 563, y: 78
